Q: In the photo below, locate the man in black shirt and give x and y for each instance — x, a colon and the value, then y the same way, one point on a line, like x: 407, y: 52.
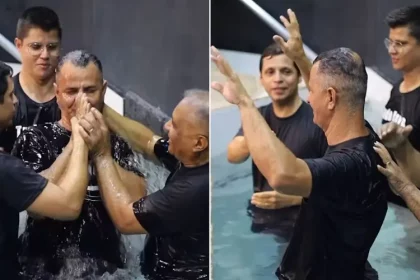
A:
x: 22, y: 189
x: 92, y: 235
x: 401, y: 130
x: 176, y: 218
x: 344, y: 205
x: 290, y: 119
x: 38, y: 39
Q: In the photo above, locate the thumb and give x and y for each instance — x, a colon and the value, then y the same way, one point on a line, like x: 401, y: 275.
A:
x: 280, y: 41
x: 217, y: 86
x: 407, y: 130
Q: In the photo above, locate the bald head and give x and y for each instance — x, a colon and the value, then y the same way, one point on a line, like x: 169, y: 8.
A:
x: 198, y: 101
x: 344, y: 70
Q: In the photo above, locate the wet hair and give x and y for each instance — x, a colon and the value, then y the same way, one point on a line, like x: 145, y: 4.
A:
x: 200, y: 100
x: 273, y: 50
x: 406, y: 16
x: 345, y: 70
x: 5, y: 72
x: 38, y: 17
x: 80, y: 58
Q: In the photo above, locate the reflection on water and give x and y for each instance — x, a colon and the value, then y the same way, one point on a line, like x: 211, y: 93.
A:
x: 238, y: 253
x: 155, y: 177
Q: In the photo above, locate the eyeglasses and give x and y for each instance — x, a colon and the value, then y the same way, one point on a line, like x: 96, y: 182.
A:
x: 395, y: 44
x: 36, y: 49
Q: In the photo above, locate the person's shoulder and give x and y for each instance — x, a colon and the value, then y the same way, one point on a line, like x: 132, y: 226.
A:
x: 9, y: 162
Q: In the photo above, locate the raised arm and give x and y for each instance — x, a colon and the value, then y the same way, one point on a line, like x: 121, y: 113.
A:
x: 116, y: 195
x: 64, y: 201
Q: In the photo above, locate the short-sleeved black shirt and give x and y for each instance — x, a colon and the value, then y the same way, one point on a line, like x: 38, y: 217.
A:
x: 403, y: 109
x: 177, y: 221
x: 306, y: 140
x: 92, y: 234
x: 298, y: 133
x: 28, y: 113
x: 19, y: 188
x: 340, y: 220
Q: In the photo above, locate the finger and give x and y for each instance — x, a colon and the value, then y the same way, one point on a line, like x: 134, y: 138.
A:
x: 98, y: 116
x: 407, y: 130
x: 292, y: 16
x: 222, y: 64
x: 262, y: 205
x: 87, y: 126
x: 90, y: 117
x: 285, y: 22
x: 279, y: 40
x: 382, y: 151
x: 264, y: 195
x: 84, y: 134
x: 217, y: 86
x: 384, y: 171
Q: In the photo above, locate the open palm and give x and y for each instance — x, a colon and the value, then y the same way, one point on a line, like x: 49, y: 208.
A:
x: 232, y: 89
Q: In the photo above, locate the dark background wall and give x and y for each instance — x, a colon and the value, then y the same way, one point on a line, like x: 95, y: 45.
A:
x: 155, y: 49
x: 325, y: 24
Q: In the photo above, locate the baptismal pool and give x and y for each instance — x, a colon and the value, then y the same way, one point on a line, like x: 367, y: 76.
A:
x: 238, y: 253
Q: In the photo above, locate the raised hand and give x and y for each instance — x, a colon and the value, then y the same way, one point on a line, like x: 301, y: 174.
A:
x: 393, y: 135
x: 293, y: 48
x: 232, y: 90
x: 95, y: 133
x: 82, y: 106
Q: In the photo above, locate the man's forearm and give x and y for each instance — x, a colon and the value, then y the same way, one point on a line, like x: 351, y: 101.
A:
x: 270, y: 155
x: 57, y: 169
x: 135, y: 133
x: 411, y: 196
x: 75, y: 179
x: 115, y: 196
x: 304, y: 65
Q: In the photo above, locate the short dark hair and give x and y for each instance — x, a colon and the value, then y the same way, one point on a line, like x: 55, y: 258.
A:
x: 273, y: 50
x: 406, y: 16
x: 80, y: 58
x: 346, y: 70
x: 38, y: 17
x: 5, y: 71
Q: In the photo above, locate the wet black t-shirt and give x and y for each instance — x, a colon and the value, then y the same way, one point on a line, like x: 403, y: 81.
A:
x: 28, y: 113
x: 92, y: 234
x: 19, y: 188
x: 340, y: 220
x: 177, y: 221
x: 298, y: 133
x: 306, y: 140
x: 403, y: 109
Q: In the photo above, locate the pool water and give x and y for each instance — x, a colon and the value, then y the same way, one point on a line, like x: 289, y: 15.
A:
x: 239, y: 253
x: 155, y: 177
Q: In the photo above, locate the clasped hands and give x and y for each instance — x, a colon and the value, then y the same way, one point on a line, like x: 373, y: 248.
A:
x: 89, y: 125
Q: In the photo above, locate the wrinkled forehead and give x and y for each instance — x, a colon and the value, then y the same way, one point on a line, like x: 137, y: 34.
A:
x: 72, y: 75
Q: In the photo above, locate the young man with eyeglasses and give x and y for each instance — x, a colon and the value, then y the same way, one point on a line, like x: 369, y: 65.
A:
x: 400, y: 131
x: 38, y: 39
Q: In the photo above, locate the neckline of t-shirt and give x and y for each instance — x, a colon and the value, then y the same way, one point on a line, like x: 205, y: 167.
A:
x: 289, y: 117
x: 350, y: 141
x: 28, y: 98
x: 417, y: 89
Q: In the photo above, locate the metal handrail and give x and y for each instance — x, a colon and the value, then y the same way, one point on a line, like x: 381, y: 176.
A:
x: 275, y: 25
x: 9, y: 47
